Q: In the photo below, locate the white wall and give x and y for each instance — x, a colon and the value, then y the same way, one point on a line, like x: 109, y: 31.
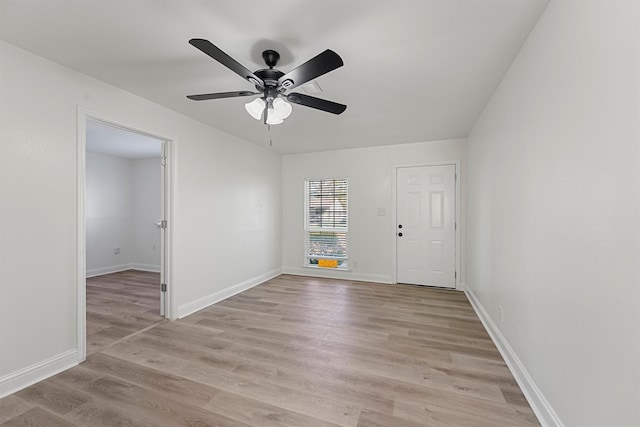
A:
x: 553, y: 213
x: 370, y: 172
x: 231, y: 233
x: 224, y: 239
x: 123, y: 203
x: 109, y: 212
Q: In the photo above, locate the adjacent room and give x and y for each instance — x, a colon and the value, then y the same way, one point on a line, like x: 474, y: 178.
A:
x: 123, y: 229
x: 381, y: 213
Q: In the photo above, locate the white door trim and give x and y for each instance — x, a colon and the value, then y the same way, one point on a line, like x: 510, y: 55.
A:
x: 83, y: 115
x: 394, y: 214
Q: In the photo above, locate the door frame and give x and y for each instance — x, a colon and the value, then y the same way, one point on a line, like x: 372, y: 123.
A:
x: 83, y: 115
x: 394, y: 215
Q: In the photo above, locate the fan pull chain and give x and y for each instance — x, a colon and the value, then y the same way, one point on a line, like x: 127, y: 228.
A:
x: 270, y: 141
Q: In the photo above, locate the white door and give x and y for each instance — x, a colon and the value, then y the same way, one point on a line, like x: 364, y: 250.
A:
x: 426, y: 225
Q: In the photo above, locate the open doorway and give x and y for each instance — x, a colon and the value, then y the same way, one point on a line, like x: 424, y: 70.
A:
x: 123, y: 235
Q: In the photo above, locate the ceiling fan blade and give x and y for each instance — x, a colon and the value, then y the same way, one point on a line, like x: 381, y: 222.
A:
x: 317, y: 103
x: 315, y: 67
x: 205, y: 96
x: 213, y: 51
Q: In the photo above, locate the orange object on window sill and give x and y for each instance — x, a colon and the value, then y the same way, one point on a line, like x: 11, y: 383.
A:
x: 328, y: 263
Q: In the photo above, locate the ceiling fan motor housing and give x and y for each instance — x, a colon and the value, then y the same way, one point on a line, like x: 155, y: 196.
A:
x: 271, y: 58
x: 270, y: 78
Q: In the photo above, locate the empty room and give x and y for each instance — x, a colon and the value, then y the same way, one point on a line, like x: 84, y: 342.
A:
x: 123, y: 229
x: 382, y: 213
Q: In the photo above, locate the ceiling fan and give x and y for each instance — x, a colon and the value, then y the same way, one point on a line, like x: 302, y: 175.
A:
x: 272, y: 84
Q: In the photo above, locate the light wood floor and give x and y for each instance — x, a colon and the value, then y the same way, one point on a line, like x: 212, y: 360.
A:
x: 293, y: 352
x: 119, y: 305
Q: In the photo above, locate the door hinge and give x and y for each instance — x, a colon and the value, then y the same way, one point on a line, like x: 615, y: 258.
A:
x: 163, y: 287
x: 163, y: 224
x: 163, y: 161
x: 455, y: 225
x: 455, y: 275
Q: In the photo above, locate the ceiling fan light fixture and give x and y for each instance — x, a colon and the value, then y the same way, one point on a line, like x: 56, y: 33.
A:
x: 282, y: 108
x: 278, y: 111
x: 273, y: 118
x: 255, y: 108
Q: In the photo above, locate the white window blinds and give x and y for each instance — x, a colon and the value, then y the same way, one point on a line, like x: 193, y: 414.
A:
x: 326, y: 223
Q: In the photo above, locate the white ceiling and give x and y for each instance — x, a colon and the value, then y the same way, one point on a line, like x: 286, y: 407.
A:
x: 414, y: 71
x: 114, y: 141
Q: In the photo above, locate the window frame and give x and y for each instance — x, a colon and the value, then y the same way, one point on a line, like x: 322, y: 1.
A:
x: 343, y: 260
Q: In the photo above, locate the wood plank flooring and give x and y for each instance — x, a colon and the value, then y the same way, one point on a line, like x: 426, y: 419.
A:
x: 294, y: 351
x: 120, y: 304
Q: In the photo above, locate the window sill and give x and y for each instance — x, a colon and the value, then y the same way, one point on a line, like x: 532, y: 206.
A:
x: 326, y: 268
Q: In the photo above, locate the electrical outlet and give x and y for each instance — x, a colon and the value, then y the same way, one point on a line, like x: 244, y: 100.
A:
x: 501, y: 313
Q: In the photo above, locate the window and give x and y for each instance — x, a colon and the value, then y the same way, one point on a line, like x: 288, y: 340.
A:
x: 326, y: 223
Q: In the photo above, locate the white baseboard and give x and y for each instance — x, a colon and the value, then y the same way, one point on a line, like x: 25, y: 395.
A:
x: 539, y: 404
x: 30, y: 375
x: 337, y: 274
x: 193, y: 306
x: 145, y: 267
x: 108, y: 270
x: 122, y: 267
